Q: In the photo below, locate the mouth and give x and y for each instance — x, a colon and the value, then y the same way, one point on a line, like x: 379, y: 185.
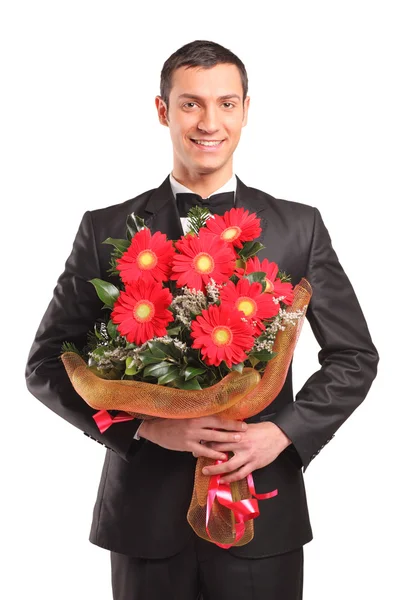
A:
x: 207, y: 145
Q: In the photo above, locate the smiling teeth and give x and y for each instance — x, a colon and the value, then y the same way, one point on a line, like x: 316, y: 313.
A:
x: 203, y: 143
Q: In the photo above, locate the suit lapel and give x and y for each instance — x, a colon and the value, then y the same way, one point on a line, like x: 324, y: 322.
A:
x: 252, y: 200
x: 161, y: 212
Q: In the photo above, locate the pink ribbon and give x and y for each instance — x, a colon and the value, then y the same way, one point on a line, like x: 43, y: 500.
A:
x: 104, y: 420
x: 243, y: 510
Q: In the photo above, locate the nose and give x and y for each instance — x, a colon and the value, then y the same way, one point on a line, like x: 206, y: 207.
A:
x: 208, y: 121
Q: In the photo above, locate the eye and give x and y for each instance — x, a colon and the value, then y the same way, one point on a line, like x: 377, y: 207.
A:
x: 186, y: 105
x: 230, y: 103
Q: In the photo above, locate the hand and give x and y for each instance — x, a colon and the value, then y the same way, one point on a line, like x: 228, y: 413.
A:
x: 186, y: 434
x: 259, y: 446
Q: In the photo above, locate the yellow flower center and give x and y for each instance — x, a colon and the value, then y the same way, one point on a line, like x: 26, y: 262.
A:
x: 221, y: 336
x: 143, y: 311
x: 146, y: 259
x: 246, y: 305
x: 231, y: 233
x: 203, y: 263
x: 269, y: 287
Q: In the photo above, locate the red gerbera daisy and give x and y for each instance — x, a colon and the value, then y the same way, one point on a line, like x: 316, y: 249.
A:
x: 148, y: 257
x: 235, y: 226
x: 201, y: 258
x: 250, y: 299
x: 221, y: 335
x: 274, y: 284
x: 141, y: 311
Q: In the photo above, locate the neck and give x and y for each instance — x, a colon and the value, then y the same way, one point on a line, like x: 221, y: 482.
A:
x: 203, y: 184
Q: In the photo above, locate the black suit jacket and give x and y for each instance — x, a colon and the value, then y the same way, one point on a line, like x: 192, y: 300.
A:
x: 145, y: 490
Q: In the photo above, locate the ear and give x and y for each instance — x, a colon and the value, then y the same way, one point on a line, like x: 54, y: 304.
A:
x: 162, y: 111
x: 245, y: 110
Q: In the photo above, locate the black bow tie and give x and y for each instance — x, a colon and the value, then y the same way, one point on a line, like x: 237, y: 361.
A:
x: 217, y: 204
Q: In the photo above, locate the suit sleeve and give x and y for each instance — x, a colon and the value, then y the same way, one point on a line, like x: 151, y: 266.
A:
x: 348, y: 358
x: 71, y: 313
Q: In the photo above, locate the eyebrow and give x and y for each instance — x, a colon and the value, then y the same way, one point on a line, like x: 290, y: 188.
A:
x: 195, y: 97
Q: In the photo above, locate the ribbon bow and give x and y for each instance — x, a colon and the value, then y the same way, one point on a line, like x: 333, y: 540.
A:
x: 217, y: 204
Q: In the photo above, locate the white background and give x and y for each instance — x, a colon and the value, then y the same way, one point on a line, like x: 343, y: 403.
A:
x: 79, y: 131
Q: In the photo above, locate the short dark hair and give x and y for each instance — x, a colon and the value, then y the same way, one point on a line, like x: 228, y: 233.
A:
x: 200, y: 53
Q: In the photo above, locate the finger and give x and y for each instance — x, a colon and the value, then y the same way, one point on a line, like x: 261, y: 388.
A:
x: 230, y: 465
x: 212, y: 435
x: 203, y: 450
x: 221, y: 456
x: 229, y: 447
x: 237, y: 475
x: 214, y: 421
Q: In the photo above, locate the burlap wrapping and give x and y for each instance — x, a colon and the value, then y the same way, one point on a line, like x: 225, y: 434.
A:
x: 237, y: 396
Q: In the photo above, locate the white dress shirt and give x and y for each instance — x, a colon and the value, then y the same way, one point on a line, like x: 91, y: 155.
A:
x: 229, y: 186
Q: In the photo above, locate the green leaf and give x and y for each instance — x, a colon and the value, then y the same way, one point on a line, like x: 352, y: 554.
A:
x: 112, y: 329
x: 253, y: 360
x: 156, y: 348
x: 191, y: 372
x: 70, y: 347
x: 110, y: 374
x: 174, y: 330
x: 133, y: 225
x: 107, y: 292
x: 130, y: 367
x: 197, y: 218
x: 120, y: 245
x: 149, y: 359
x: 258, y: 277
x: 192, y: 384
x: 165, y: 349
x: 250, y: 249
x: 284, y: 277
x: 240, y: 264
x: 172, y: 374
x: 157, y: 370
x: 172, y: 351
x: 238, y: 367
x: 158, y: 352
x: 98, y: 334
x: 263, y: 355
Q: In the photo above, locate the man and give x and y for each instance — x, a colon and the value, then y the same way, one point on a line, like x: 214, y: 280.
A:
x: 147, y: 478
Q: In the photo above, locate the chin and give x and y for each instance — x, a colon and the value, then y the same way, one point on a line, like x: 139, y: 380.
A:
x: 208, y: 168
x: 212, y: 162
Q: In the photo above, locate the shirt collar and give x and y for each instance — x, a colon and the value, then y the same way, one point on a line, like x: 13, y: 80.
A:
x: 229, y: 186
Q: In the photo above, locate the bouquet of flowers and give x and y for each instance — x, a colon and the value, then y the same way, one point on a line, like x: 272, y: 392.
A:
x: 195, y: 327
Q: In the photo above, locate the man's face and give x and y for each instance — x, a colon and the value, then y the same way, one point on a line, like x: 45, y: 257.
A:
x: 205, y: 105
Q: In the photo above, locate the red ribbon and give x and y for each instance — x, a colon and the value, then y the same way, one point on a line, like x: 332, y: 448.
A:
x: 243, y: 510
x: 104, y: 420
